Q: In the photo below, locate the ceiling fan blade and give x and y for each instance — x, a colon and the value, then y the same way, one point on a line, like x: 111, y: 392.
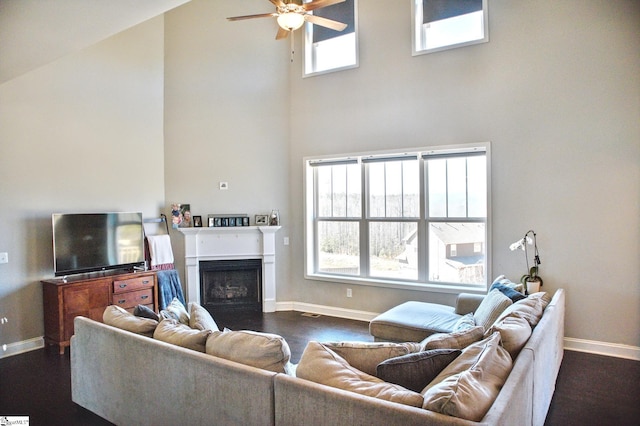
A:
x: 324, y: 22
x: 260, y: 15
x: 277, y: 3
x: 317, y: 4
x: 282, y: 33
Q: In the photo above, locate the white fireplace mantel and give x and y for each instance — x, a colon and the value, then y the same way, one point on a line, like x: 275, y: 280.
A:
x: 232, y: 243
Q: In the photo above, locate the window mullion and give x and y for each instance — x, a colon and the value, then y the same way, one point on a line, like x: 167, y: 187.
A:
x: 364, y: 220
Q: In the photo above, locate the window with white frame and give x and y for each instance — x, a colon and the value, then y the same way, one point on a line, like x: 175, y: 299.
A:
x: 416, y: 218
x: 445, y: 24
x: 330, y: 50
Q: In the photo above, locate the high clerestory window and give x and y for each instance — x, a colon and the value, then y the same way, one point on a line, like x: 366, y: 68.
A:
x: 414, y: 218
x: 445, y: 24
x: 328, y: 50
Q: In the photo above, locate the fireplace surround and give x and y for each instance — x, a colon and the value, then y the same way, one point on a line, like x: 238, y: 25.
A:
x: 233, y: 243
x: 231, y: 285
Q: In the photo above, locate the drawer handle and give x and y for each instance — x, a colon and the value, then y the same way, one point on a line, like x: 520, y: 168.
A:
x: 123, y: 285
x: 146, y: 296
x: 145, y: 282
x: 121, y: 301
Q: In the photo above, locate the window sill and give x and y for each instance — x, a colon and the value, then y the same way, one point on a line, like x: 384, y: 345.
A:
x: 400, y: 285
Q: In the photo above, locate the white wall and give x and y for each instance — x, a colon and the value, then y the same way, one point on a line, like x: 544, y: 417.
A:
x: 226, y: 116
x: 557, y: 93
x: 83, y: 133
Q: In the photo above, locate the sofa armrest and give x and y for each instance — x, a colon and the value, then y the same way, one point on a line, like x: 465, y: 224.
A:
x: 467, y: 302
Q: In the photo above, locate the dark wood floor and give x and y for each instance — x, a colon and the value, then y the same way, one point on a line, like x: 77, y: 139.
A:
x: 591, y: 389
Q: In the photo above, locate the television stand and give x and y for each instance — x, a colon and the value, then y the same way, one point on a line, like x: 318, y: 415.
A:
x: 88, y: 296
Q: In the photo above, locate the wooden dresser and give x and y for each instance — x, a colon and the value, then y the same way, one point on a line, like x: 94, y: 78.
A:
x: 89, y: 295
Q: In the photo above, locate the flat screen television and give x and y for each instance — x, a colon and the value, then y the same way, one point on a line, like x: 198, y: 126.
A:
x: 90, y: 242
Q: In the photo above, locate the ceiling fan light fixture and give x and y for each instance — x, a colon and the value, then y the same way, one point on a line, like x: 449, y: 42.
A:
x: 290, y: 21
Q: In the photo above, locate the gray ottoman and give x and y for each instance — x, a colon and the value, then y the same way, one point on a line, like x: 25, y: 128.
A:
x: 413, y: 321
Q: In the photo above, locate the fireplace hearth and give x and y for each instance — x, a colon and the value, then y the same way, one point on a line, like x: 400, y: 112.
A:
x: 231, y: 285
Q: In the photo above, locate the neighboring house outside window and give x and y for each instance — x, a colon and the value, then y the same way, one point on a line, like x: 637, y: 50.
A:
x: 416, y: 218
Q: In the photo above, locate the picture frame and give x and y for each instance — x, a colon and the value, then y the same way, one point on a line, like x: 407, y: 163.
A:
x: 197, y: 221
x: 262, y: 219
x: 211, y: 221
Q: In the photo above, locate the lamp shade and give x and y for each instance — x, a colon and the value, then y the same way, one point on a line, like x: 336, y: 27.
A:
x: 290, y: 21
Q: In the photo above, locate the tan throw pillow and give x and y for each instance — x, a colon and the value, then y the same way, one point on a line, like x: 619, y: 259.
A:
x: 468, y: 386
x: 261, y: 350
x: 200, y: 318
x: 455, y: 340
x: 176, y: 310
x: 514, y: 331
x: 117, y: 317
x: 320, y: 364
x: 171, y: 331
x: 491, y: 307
x: 365, y: 356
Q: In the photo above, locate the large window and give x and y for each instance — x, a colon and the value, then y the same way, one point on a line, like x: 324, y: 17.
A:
x: 329, y: 50
x: 445, y: 24
x: 414, y: 218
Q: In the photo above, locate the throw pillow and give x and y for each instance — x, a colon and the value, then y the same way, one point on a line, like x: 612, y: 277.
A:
x: 417, y: 370
x: 171, y: 331
x: 365, y: 356
x: 200, y: 318
x: 320, y: 364
x: 519, y: 287
x: 490, y: 308
x: 176, y: 310
x: 145, y: 312
x: 456, y: 340
x: 117, y: 317
x: 507, y: 291
x: 514, y: 332
x: 261, y: 350
x: 465, y: 322
x: 531, y: 308
x: 468, y: 386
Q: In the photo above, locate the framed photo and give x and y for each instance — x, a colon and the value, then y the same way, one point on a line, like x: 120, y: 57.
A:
x: 225, y: 221
x: 262, y: 219
x: 242, y: 221
x: 232, y: 221
x: 197, y: 221
x: 211, y: 221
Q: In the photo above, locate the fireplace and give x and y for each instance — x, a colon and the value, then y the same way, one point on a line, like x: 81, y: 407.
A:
x: 231, y: 285
x: 231, y: 244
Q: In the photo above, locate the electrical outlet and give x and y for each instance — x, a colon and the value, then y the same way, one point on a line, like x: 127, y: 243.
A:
x: 286, y: 241
x: 4, y: 257
x: 349, y: 293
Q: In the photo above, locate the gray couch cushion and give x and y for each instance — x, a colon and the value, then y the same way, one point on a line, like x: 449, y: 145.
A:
x: 415, y: 371
x: 413, y: 321
x: 117, y: 317
x: 261, y: 350
x: 467, y: 387
x: 365, y: 356
x: 171, y: 331
x: 177, y: 311
x: 320, y: 364
x: 455, y: 340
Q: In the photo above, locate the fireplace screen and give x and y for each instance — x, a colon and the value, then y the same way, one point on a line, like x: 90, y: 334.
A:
x: 231, y: 285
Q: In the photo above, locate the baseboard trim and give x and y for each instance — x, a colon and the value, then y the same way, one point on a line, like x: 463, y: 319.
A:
x: 21, y: 347
x: 602, y: 348
x: 330, y: 311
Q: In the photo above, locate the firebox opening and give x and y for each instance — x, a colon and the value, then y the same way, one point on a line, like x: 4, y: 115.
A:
x: 231, y: 285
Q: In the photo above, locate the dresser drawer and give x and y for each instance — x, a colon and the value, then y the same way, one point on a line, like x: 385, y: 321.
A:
x: 133, y: 298
x: 137, y: 283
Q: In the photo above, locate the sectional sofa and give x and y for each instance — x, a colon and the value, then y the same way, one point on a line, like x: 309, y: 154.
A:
x: 128, y: 378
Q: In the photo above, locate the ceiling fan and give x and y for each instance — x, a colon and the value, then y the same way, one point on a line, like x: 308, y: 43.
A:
x: 291, y: 15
